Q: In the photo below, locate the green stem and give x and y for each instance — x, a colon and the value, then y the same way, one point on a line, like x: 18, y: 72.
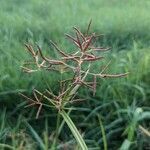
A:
x: 57, y: 130
x: 74, y: 130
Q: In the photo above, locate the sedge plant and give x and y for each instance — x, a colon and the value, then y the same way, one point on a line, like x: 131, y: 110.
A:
x: 79, y: 65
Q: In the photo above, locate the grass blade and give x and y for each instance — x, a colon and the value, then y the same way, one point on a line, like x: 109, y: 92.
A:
x: 36, y: 136
x: 74, y: 130
x: 7, y: 146
x: 103, y: 133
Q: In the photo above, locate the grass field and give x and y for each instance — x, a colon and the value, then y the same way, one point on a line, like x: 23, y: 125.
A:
x: 121, y: 106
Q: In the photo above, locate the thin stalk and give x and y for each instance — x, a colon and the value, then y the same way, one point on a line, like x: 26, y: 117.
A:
x: 74, y: 130
x: 57, y: 130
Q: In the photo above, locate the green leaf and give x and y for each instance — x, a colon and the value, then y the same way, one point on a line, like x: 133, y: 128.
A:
x: 7, y: 146
x: 103, y: 133
x: 36, y: 136
x: 126, y: 145
x: 74, y: 130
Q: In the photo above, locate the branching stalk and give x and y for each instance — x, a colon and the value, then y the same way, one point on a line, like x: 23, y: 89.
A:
x: 75, y: 64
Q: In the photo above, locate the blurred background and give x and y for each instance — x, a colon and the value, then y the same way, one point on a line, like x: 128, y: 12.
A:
x: 125, y: 25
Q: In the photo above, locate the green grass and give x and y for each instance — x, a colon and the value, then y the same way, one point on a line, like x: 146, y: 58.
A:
x: 126, y: 28
x: 32, y: 21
